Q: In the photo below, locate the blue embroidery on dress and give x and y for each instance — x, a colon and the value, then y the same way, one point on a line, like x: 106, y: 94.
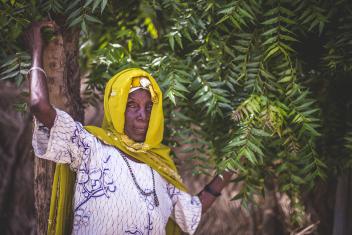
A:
x: 137, y: 232
x: 44, y: 130
x: 194, y: 201
x: 149, y: 200
x: 81, y: 218
x: 173, y: 192
x: 95, y: 182
x: 92, y: 182
x: 148, y: 228
x: 80, y: 142
x: 195, y: 220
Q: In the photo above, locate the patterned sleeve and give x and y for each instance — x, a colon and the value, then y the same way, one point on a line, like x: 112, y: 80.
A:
x: 187, y: 209
x: 66, y: 142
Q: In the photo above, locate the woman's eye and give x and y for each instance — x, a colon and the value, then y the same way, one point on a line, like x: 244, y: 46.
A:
x: 131, y: 105
x: 149, y: 107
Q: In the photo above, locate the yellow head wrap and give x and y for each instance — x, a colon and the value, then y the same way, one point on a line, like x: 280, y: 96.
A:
x: 151, y: 152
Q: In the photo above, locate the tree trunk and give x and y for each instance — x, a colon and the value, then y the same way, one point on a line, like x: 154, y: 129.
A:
x: 271, y: 223
x: 343, y: 205
x: 60, y: 59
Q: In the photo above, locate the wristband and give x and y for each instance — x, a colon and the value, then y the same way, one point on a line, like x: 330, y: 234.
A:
x: 36, y: 68
x: 211, y: 191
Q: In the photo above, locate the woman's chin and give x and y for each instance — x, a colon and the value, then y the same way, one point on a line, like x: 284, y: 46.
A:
x: 138, y: 138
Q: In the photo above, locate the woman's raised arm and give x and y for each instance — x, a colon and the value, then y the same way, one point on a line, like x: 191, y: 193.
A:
x: 39, y: 96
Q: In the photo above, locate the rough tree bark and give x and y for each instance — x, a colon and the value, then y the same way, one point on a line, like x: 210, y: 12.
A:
x: 343, y: 205
x: 60, y: 58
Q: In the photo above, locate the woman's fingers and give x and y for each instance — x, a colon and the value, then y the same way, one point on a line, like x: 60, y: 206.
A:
x: 49, y: 24
x: 32, y: 36
x: 38, y: 25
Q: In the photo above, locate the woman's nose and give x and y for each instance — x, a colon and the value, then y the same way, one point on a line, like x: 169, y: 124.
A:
x: 142, y: 114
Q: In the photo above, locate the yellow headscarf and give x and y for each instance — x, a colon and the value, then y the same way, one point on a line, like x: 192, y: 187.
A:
x: 152, y: 151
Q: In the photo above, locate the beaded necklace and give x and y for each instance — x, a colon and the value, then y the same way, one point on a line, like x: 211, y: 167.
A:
x: 156, y: 200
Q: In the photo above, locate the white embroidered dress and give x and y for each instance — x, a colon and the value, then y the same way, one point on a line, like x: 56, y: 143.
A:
x: 106, y: 200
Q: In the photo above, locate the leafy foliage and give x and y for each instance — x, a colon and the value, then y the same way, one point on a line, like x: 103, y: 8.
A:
x: 16, y: 67
x: 244, y: 88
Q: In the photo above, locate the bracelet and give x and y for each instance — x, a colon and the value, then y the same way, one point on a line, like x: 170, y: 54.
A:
x: 211, y: 191
x: 36, y: 68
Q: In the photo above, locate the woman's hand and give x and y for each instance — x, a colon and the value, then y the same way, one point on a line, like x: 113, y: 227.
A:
x: 32, y: 36
x: 210, y: 192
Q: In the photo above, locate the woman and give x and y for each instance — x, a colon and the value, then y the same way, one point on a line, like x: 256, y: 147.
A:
x: 126, y: 180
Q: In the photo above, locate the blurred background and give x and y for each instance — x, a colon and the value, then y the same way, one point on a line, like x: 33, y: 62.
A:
x: 262, y: 88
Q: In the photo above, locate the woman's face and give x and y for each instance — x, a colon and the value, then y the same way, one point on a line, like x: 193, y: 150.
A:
x: 137, y: 114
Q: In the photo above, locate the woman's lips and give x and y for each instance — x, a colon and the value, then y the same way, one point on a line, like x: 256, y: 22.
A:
x: 140, y: 130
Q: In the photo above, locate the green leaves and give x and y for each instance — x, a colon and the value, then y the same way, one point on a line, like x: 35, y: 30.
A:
x: 348, y: 144
x: 15, y: 67
x: 239, y: 13
x: 313, y: 14
x: 278, y: 34
x: 338, y: 54
x: 55, y: 6
x: 176, y: 83
x: 247, y: 143
x: 303, y: 114
x: 211, y: 95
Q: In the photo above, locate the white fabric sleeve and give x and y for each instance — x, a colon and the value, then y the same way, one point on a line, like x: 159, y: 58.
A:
x: 66, y: 142
x: 187, y: 209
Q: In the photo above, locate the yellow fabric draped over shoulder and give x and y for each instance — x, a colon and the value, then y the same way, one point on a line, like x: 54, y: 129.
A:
x: 151, y: 152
